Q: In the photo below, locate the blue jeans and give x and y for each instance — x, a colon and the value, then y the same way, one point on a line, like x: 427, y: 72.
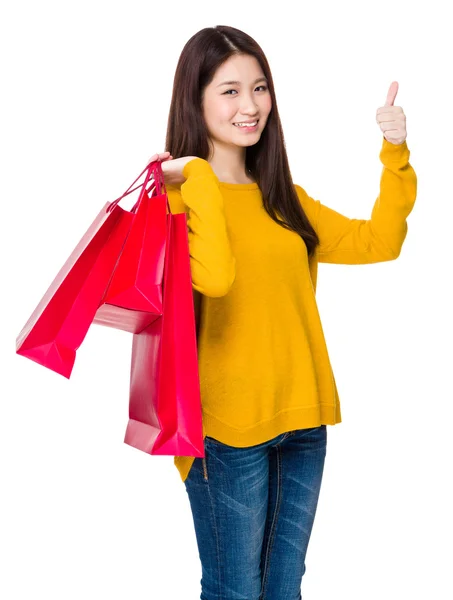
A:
x: 253, y: 510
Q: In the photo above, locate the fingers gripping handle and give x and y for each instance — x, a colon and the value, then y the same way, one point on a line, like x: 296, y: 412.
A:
x: 153, y: 170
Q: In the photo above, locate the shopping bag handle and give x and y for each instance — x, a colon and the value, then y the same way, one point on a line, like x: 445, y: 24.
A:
x: 157, y: 168
x: 153, y: 168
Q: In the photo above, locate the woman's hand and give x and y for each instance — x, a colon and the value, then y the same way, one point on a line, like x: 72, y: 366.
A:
x: 172, y: 167
x: 391, y: 119
x: 161, y: 157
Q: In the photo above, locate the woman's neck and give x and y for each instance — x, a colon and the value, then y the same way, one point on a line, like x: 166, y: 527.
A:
x: 229, y: 167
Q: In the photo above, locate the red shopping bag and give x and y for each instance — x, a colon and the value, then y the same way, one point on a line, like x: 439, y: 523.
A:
x: 165, y: 415
x: 60, y: 322
x: 133, y: 298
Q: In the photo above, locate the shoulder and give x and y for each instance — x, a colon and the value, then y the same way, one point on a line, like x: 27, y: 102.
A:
x: 301, y: 194
x: 300, y: 191
x: 309, y: 205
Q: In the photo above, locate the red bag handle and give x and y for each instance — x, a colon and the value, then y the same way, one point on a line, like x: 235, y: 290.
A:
x: 154, y: 168
x: 160, y: 180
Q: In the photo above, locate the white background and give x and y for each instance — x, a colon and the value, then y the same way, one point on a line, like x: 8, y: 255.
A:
x: 85, y: 94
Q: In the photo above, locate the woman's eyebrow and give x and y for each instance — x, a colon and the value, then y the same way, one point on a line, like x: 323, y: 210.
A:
x: 239, y: 83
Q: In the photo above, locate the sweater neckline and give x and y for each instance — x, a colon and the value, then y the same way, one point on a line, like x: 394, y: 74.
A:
x: 239, y: 186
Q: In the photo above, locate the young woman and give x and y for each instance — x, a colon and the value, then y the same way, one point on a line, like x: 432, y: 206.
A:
x: 255, y: 239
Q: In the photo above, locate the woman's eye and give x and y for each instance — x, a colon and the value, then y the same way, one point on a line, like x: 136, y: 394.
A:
x: 260, y: 86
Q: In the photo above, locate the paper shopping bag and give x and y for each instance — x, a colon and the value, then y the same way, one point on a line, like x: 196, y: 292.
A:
x: 133, y: 298
x: 165, y: 415
x: 60, y: 322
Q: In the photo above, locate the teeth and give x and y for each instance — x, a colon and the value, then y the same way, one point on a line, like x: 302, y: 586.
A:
x: 251, y: 124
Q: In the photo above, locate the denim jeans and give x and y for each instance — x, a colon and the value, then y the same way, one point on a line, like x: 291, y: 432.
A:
x: 253, y: 510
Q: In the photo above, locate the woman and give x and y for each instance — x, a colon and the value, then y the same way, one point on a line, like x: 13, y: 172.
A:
x: 255, y: 239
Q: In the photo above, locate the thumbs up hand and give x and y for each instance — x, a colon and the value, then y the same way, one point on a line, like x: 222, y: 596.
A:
x: 391, y: 119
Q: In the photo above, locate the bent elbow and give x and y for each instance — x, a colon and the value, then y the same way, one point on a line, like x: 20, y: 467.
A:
x: 394, y: 245
x: 220, y: 284
x: 217, y: 290
x: 395, y: 253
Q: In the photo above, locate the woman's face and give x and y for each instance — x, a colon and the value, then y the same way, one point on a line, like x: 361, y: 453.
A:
x: 247, y: 99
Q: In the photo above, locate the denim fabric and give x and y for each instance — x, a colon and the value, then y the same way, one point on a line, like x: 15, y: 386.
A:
x: 253, y: 510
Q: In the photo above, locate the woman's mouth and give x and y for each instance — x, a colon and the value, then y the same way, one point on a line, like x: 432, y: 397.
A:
x: 247, y: 126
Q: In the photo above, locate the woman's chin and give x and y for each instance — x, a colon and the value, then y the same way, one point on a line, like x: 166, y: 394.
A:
x: 249, y: 140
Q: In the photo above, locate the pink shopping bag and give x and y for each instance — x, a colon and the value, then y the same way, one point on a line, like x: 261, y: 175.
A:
x: 133, y: 297
x: 165, y: 415
x: 60, y: 322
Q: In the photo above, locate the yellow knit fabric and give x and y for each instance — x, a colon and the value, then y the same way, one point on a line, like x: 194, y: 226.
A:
x: 263, y: 362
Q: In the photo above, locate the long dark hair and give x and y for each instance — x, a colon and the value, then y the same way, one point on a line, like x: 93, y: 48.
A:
x: 187, y: 134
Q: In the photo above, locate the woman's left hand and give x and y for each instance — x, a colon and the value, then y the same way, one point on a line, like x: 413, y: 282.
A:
x: 391, y: 119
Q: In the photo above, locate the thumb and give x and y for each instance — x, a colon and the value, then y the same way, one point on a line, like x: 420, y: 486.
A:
x: 391, y: 94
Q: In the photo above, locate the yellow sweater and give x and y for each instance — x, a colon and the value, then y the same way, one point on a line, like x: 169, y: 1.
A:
x: 263, y: 363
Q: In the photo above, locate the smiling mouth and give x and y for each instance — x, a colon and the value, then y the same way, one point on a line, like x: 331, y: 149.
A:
x: 245, y: 125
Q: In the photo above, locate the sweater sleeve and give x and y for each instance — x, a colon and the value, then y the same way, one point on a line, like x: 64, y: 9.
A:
x: 212, y: 264
x: 380, y: 238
